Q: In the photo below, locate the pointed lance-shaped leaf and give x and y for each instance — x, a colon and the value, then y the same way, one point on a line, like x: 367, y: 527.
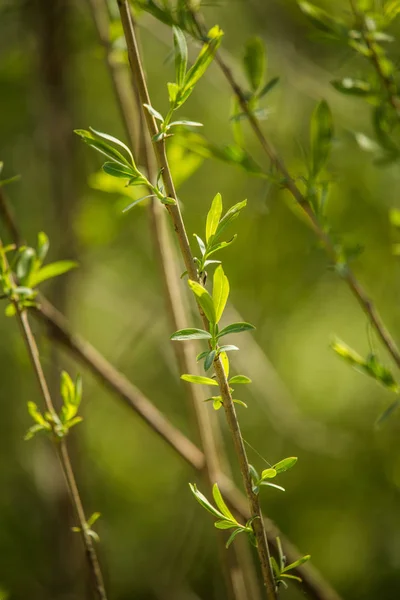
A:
x: 191, y: 334
x: 199, y: 379
x: 219, y: 501
x: 321, y: 134
x: 181, y: 55
x: 239, y: 379
x: 204, y: 300
x: 213, y: 216
x: 235, y: 328
x: 254, y: 61
x: 285, y: 464
x: 201, y: 499
x: 220, y: 292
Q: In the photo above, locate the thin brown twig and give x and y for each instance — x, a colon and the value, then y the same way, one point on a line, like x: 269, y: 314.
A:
x: 289, y: 183
x: 175, y: 213
x: 136, y: 130
x: 61, y: 448
x: 57, y: 328
x: 387, y: 81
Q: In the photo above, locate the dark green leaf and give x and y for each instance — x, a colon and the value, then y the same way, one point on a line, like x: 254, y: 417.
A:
x: 268, y: 87
x: 191, y: 334
x: 209, y: 360
x: 255, y: 62
x: 321, y: 134
x: 181, y: 55
x: 239, y: 379
x: 235, y: 328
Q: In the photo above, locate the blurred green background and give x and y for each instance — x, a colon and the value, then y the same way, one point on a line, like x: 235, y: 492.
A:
x: 342, y: 499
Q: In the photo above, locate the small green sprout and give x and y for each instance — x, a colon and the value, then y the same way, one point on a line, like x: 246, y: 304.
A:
x: 52, y: 423
x: 225, y: 519
x: 281, y: 570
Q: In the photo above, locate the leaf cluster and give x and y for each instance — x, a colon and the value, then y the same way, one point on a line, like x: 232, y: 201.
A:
x: 225, y: 519
x: 22, y: 270
x: 58, y: 424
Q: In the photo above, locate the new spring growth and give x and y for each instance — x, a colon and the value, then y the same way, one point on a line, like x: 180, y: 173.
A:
x: 22, y: 270
x: 58, y: 424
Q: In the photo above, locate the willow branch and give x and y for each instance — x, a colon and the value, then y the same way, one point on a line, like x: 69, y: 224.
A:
x: 289, y: 183
x: 174, y: 211
x: 58, y: 329
x: 62, y: 451
x: 185, y: 353
x: 386, y: 80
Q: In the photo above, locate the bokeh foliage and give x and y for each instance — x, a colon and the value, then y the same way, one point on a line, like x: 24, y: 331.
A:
x: 342, y: 502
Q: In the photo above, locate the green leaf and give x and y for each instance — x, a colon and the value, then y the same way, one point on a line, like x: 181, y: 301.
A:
x: 217, y: 403
x: 213, y: 216
x: 154, y: 113
x: 219, y: 501
x: 10, y: 310
x: 184, y: 123
x: 36, y: 414
x: 354, y: 87
x: 53, y: 270
x: 323, y: 21
x: 191, y: 334
x: 181, y: 55
x: 225, y: 524
x: 219, y: 246
x: 387, y: 413
x: 255, y: 62
x: 43, y: 246
x: 92, y: 520
x: 235, y: 328
x: 225, y: 362
x: 240, y: 402
x: 202, y: 355
x: 230, y: 216
x: 137, y: 202
x: 228, y: 348
x: 209, y: 360
x: 25, y: 265
x: 268, y: 87
x: 204, y: 300
x: 201, y: 244
x: 239, y: 379
x: 35, y: 429
x: 204, y: 59
x: 233, y: 535
x: 274, y: 485
x: 114, y: 140
x: 199, y: 379
x: 268, y: 474
x: 201, y: 499
x: 297, y: 563
x: 102, y: 147
x: 321, y: 134
x: 285, y: 464
x: 67, y: 388
x: 117, y: 170
x: 220, y: 292
x: 173, y: 89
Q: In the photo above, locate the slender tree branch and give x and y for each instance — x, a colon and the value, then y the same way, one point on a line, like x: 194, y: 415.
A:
x: 162, y: 160
x: 185, y: 353
x: 289, y: 183
x: 61, y: 448
x: 387, y: 81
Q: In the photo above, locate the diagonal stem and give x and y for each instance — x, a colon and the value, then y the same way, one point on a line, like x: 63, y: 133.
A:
x: 179, y: 227
x: 62, y: 451
x: 289, y: 183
